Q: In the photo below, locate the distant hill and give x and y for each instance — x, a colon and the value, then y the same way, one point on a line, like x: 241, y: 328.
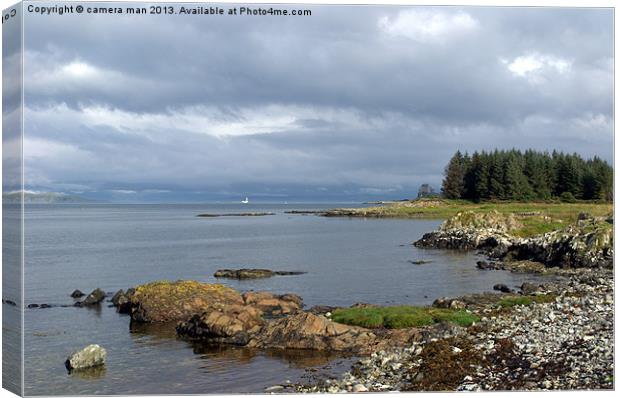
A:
x: 43, y: 197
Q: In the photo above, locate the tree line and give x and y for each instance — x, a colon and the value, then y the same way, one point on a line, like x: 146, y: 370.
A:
x: 529, y: 175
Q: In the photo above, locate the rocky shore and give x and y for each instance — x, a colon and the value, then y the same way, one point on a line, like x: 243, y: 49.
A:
x: 563, y: 342
x: 556, y: 335
x: 542, y: 337
x: 585, y: 244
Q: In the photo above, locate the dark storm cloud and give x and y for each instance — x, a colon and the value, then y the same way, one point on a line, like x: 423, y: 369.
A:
x: 353, y: 99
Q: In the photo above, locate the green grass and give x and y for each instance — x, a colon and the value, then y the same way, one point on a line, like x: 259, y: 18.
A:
x: 536, y: 217
x: 512, y: 301
x: 399, y: 317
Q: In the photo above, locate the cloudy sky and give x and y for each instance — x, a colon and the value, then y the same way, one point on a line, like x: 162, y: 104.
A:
x: 351, y: 103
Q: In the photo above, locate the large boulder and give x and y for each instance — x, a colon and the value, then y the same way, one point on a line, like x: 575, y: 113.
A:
x: 165, y: 301
x: 88, y: 357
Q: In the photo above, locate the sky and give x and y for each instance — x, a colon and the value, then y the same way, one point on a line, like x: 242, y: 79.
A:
x: 352, y: 103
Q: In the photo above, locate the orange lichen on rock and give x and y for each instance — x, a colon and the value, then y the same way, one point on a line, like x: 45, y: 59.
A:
x: 164, y: 301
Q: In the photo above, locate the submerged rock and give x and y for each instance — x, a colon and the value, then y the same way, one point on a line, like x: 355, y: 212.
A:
x: 77, y: 293
x: 252, y: 273
x: 88, y: 357
x: 420, y: 262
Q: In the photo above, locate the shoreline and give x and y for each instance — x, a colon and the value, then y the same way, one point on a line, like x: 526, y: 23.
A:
x: 554, y: 336
x: 510, y: 348
x: 266, y: 321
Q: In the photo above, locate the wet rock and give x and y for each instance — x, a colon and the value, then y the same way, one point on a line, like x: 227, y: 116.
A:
x: 32, y: 306
x: 122, y: 301
x: 420, y: 262
x: 123, y: 304
x: 502, y: 288
x: 77, y: 293
x: 274, y: 389
x: 251, y: 273
x: 9, y: 302
x: 489, y: 265
x: 116, y: 297
x: 88, y: 357
x: 95, y: 297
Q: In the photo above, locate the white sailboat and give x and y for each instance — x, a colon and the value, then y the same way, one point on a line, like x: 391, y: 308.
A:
x: 245, y: 201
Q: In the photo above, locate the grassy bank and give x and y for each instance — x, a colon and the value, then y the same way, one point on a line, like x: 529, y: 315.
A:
x: 536, y: 217
x: 398, y: 317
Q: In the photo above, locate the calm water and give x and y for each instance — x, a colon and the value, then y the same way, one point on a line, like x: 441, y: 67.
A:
x: 118, y: 246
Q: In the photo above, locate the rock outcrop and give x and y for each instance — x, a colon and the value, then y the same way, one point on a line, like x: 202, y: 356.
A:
x: 243, y: 325
x: 313, y: 332
x: 165, y: 301
x: 233, y: 324
x: 88, y: 357
x: 178, y: 301
x: 272, y: 304
x: 252, y: 273
x: 469, y: 231
x: 587, y: 243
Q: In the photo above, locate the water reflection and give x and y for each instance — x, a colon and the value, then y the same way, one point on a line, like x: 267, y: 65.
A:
x: 93, y: 373
x: 162, y: 333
